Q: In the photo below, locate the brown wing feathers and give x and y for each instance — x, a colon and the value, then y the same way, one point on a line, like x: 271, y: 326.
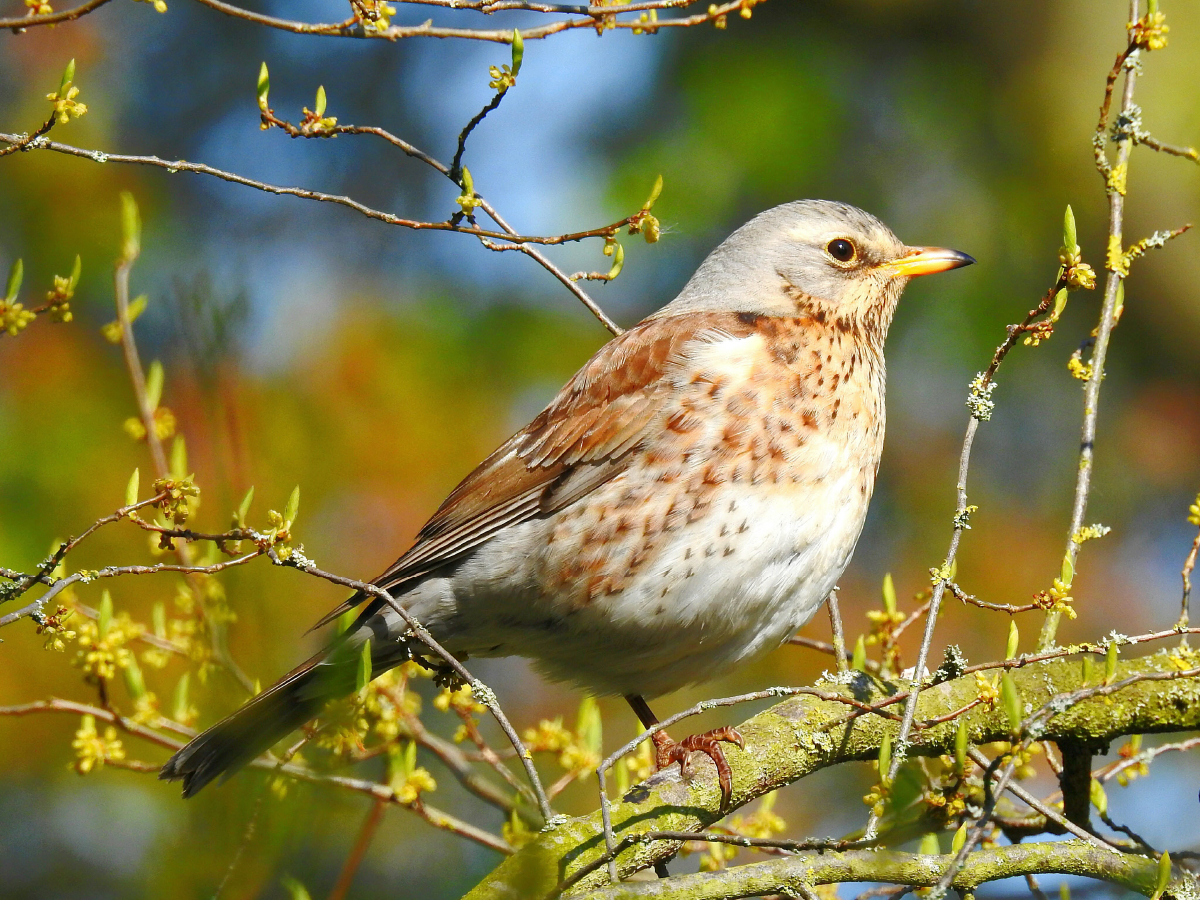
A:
x: 578, y: 442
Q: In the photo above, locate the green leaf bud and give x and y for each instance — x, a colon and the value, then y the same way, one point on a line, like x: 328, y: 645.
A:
x: 960, y: 838
x: 1014, y: 706
x: 15, y: 276
x: 264, y: 87
x: 154, y: 384
x: 180, y: 700
x: 889, y: 595
x: 518, y: 52
x: 859, y: 658
x: 244, y: 507
x: 131, y: 489
x: 131, y: 228
x: 1070, y: 242
x: 292, y: 508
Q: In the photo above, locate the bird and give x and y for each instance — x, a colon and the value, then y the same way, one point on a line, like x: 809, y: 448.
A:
x: 682, y: 506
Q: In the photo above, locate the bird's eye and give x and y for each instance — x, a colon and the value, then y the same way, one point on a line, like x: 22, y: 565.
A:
x: 841, y: 250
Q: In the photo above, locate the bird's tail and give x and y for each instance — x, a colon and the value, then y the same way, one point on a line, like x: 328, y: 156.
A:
x: 269, y: 717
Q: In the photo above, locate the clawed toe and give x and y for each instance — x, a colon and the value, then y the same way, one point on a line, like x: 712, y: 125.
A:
x: 668, y: 752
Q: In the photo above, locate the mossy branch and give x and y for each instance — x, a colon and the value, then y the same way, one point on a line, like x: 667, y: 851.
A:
x: 804, y: 734
x: 794, y: 875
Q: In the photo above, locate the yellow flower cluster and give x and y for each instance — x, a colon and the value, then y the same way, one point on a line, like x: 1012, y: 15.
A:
x: 101, y: 655
x: 92, y: 750
x: 180, y: 494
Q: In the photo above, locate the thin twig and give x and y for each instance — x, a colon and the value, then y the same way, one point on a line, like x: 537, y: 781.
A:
x: 1112, y: 287
x: 365, y: 835
x: 20, y: 23
x: 839, y: 636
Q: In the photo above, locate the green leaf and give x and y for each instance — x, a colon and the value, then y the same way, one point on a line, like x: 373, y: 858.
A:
x: 1068, y: 572
x: 589, y: 726
x: 159, y: 617
x: 264, y: 87
x: 468, y: 183
x: 67, y: 77
x: 364, y: 668
x: 15, y: 276
x: 408, y: 759
x: 618, y: 261
x: 104, y: 616
x: 1014, y: 638
x: 295, y: 888
x: 1164, y: 875
x: 1098, y: 797
x: 929, y: 845
x: 134, y: 682
x: 319, y: 106
x: 518, y: 52
x: 131, y: 228
x: 1119, y: 306
x: 889, y: 594
x: 137, y: 306
x: 131, y: 489
x: 1014, y: 706
x: 1110, y: 662
x: 180, y: 700
x: 1089, y: 669
x: 1069, y: 238
x: 960, y: 838
x: 654, y: 192
x: 154, y: 384
x: 885, y: 759
x: 76, y: 270
x: 858, y: 659
x: 962, y: 742
x: 292, y: 508
x: 179, y: 460
x: 244, y: 507
x: 1060, y: 303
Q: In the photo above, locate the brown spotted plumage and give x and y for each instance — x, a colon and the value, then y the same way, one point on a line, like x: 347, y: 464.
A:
x: 684, y: 504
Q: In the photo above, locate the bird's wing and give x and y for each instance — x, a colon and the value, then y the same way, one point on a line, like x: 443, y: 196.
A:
x: 577, y: 443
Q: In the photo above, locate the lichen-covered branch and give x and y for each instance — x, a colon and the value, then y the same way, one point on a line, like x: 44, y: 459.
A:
x: 804, y: 734
x: 791, y: 875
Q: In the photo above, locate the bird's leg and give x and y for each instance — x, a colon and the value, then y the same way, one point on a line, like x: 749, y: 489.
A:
x: 667, y: 751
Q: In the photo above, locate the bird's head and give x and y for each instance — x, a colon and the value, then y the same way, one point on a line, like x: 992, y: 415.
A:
x: 812, y: 254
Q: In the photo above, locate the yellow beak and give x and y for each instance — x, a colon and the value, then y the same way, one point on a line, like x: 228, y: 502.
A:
x: 926, y: 261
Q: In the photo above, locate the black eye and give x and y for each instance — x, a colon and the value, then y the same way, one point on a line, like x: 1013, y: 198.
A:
x: 841, y: 250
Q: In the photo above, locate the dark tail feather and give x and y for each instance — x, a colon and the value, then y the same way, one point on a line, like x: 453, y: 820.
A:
x: 261, y: 723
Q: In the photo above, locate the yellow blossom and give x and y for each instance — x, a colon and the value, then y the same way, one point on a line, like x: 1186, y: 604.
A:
x: 92, y: 750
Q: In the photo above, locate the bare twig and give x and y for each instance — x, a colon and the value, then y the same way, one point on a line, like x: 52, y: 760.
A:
x: 20, y: 23
x: 1115, y: 188
x: 365, y: 835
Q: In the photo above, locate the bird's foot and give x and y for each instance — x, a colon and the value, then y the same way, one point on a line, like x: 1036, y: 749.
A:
x: 668, y: 752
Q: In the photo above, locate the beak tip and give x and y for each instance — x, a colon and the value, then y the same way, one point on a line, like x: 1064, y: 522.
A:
x: 929, y: 260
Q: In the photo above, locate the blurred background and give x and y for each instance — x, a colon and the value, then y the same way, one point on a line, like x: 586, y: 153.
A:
x: 305, y: 344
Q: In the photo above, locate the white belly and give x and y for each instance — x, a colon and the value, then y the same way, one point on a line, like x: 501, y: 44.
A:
x: 722, y: 591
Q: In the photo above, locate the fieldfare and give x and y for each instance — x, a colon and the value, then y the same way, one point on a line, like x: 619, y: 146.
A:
x: 683, y: 505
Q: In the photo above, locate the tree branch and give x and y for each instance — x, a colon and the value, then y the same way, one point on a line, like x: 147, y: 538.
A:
x: 790, y: 875
x: 804, y: 734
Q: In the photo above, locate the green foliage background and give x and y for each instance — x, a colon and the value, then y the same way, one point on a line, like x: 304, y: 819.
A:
x: 375, y: 368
